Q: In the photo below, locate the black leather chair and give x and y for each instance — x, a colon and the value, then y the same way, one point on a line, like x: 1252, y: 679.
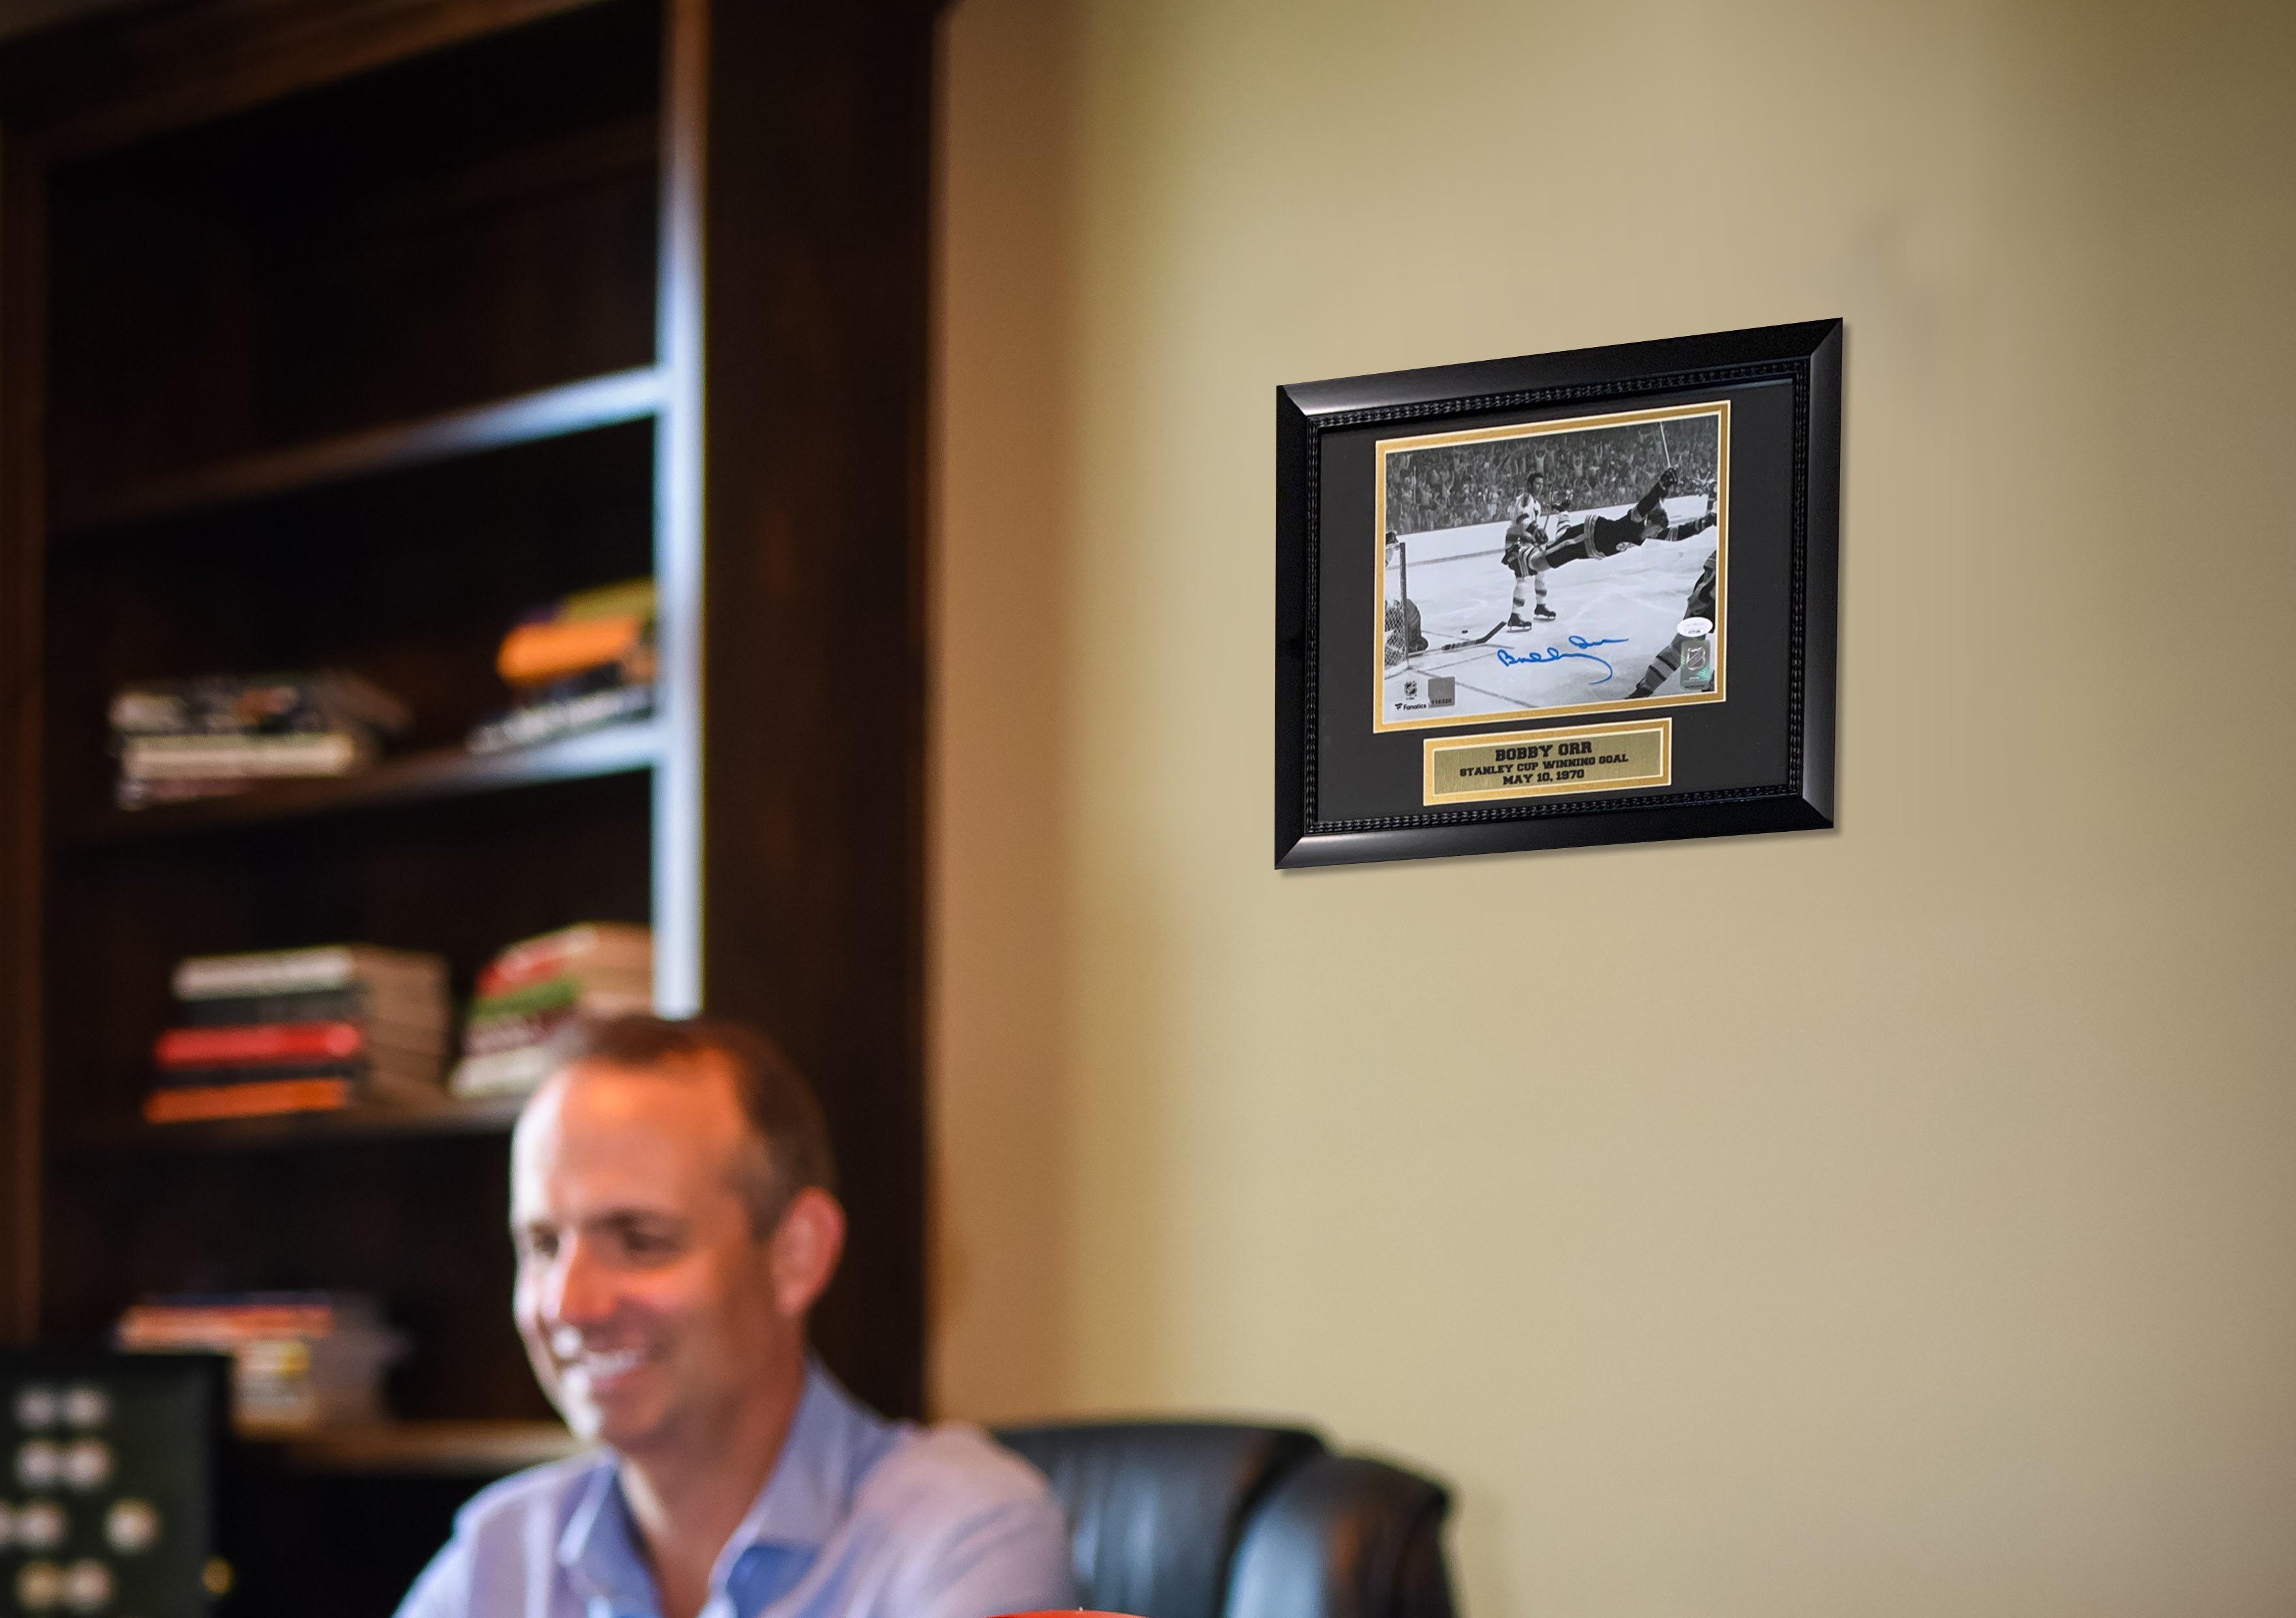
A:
x: 1217, y: 1520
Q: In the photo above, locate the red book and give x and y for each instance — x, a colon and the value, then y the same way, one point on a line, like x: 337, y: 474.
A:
x: 255, y: 1043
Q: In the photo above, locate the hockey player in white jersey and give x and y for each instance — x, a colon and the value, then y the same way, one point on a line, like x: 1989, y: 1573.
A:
x: 1526, y: 538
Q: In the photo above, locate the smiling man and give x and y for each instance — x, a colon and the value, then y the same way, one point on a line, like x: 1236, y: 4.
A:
x: 674, y: 1205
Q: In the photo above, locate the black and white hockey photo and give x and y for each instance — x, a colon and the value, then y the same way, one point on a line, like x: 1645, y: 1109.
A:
x: 1553, y: 567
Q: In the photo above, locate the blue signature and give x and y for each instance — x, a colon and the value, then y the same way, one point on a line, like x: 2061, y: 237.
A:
x: 1556, y: 654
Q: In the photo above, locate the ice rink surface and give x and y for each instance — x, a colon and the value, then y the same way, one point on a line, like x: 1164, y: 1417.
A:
x: 1621, y: 610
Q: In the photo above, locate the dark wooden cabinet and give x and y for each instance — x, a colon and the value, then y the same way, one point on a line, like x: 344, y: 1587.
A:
x: 337, y: 333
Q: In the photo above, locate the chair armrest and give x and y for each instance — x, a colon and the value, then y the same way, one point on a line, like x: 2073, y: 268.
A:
x: 1343, y: 1536
x: 1156, y: 1509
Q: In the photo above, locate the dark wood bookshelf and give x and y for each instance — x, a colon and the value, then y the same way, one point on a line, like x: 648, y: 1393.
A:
x: 493, y: 1115
x: 343, y: 335
x: 578, y: 407
x: 418, y: 777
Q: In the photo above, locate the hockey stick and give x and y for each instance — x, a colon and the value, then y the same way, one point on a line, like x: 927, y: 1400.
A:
x: 1461, y: 646
x: 1669, y: 454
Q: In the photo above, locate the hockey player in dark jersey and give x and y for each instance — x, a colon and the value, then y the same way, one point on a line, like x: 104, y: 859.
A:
x: 1700, y: 604
x: 1600, y: 537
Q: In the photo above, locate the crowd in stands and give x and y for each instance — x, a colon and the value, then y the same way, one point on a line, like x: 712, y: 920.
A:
x: 1459, y: 485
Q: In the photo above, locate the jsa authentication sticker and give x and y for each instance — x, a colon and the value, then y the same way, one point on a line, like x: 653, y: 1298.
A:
x: 1544, y: 763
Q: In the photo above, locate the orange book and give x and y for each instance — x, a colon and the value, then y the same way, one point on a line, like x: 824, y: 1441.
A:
x: 534, y: 655
x: 178, y: 1325
x: 256, y: 1100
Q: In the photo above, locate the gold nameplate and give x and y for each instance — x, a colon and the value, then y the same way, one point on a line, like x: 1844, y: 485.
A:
x: 1546, y: 763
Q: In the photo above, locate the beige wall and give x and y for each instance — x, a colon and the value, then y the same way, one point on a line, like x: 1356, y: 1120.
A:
x: 1918, y: 1234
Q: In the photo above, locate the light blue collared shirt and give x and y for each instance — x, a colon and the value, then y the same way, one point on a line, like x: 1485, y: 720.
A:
x: 861, y: 1518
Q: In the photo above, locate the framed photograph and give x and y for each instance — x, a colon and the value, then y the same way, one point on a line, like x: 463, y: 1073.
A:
x: 1571, y: 598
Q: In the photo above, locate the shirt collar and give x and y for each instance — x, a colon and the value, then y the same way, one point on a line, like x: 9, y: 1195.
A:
x: 833, y: 1441
x: 599, y: 1551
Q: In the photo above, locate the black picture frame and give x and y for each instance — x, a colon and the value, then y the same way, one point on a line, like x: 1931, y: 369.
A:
x: 1759, y: 756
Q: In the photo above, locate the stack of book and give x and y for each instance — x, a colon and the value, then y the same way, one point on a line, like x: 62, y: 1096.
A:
x: 575, y: 665
x: 204, y: 738
x: 300, y: 1031
x: 535, y: 998
x: 298, y: 1360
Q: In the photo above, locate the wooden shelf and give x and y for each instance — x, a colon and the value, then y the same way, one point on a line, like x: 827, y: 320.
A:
x: 494, y: 1115
x: 437, y: 1449
x: 385, y: 326
x: 448, y: 773
x: 597, y: 401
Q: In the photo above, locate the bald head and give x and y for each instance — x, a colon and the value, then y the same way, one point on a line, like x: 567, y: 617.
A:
x: 674, y: 1125
x: 670, y: 1123
x: 790, y: 1140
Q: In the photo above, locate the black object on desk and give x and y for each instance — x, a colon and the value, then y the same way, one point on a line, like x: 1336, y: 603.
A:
x: 108, y: 1466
